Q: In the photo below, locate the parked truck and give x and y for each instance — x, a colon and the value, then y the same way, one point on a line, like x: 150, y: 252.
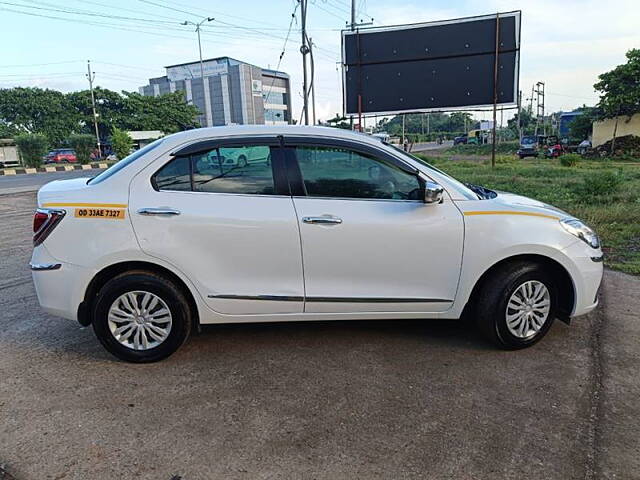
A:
x: 9, y: 153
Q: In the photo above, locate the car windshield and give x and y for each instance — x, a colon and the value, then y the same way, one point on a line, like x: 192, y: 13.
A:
x: 113, y: 169
x: 465, y: 190
x: 528, y: 141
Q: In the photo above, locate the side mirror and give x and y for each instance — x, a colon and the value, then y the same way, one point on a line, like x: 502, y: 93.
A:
x: 433, y: 193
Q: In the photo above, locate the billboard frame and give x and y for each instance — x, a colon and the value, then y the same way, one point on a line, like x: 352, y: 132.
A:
x: 497, y: 16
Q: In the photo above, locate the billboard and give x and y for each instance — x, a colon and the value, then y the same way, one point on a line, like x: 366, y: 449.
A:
x: 432, y: 66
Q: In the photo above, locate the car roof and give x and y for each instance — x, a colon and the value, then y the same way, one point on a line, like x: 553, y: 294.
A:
x: 251, y: 130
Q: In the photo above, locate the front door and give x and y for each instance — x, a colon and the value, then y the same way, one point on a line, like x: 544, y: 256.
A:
x: 230, y: 227
x: 369, y: 242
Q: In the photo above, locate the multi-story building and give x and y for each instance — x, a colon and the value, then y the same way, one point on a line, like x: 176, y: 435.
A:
x: 234, y: 92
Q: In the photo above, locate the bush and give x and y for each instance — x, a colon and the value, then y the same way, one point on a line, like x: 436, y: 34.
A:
x: 569, y: 159
x: 32, y: 147
x: 83, y: 144
x: 121, y: 143
x: 484, y: 149
x: 598, y: 185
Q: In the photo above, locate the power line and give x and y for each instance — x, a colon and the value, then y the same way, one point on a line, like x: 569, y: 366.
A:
x: 89, y: 14
x: 284, y: 48
x: 122, y: 27
x: 40, y: 64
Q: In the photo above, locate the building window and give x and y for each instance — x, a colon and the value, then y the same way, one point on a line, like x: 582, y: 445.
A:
x: 273, y: 115
x: 274, y: 98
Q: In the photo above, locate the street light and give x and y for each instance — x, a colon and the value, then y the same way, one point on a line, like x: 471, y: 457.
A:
x: 198, y: 25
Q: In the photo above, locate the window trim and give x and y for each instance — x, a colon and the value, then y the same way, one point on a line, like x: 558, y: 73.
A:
x: 280, y: 181
x: 296, y: 178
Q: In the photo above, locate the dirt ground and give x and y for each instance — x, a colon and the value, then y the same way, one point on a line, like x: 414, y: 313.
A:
x: 359, y: 400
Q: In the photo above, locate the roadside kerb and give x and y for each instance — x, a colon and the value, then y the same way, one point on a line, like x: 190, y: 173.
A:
x: 56, y: 168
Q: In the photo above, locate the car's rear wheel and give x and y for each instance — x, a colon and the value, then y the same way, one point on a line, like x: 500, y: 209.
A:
x: 516, y: 305
x: 141, y: 317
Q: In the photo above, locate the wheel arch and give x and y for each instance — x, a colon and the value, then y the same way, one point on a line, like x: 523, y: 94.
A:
x: 565, y: 285
x: 85, y: 308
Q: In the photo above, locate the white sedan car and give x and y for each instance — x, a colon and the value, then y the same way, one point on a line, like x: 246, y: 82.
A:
x: 336, y: 226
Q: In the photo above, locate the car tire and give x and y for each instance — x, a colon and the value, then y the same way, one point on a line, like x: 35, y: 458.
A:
x: 242, y: 161
x: 154, y: 325
x: 515, y: 328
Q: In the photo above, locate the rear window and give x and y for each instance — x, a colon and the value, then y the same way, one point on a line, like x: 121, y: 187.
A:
x: 113, y: 169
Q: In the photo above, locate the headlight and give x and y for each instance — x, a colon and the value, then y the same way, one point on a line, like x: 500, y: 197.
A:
x: 582, y: 231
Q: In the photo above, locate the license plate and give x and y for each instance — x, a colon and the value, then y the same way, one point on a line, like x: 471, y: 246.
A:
x: 106, y: 213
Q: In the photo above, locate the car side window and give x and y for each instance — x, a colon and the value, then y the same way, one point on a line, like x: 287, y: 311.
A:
x: 343, y: 173
x: 242, y: 170
x: 175, y: 175
x: 245, y: 170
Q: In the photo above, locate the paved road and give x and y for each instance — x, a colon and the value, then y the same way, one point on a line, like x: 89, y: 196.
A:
x: 421, y: 147
x: 30, y: 182
x: 359, y: 400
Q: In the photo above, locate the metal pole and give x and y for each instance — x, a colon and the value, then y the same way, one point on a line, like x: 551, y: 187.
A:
x: 304, y: 51
x: 353, y: 25
x: 198, y: 25
x: 520, y: 116
x: 206, y: 112
x: 403, y: 140
x: 313, y: 86
x: 495, y: 91
x: 90, y: 76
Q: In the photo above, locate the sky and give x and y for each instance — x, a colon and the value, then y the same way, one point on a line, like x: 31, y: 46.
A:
x: 47, y: 43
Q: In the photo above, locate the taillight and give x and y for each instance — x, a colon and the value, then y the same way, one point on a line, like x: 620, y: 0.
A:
x: 44, y: 221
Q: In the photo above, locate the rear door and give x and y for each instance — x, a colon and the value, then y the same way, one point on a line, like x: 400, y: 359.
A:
x: 369, y: 242
x: 231, y: 229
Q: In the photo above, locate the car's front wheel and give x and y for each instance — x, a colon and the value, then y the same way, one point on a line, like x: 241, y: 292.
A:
x: 140, y: 316
x: 516, y: 305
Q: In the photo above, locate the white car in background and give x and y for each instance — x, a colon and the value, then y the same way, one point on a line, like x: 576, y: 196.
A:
x: 336, y: 226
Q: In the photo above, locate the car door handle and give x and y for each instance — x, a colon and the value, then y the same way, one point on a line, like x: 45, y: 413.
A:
x: 325, y: 220
x: 158, y: 211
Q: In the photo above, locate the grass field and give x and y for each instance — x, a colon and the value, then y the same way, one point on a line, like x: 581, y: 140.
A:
x: 603, y: 193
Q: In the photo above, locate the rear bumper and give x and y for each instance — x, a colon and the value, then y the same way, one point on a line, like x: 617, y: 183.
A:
x: 60, y: 286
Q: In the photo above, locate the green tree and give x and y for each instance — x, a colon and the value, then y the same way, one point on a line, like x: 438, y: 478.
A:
x: 34, y: 110
x: 32, y: 147
x: 528, y: 123
x: 581, y: 126
x: 620, y: 88
x: 121, y: 143
x: 83, y: 144
x: 168, y: 113
x: 339, y: 122
x: 419, y: 124
x: 109, y: 110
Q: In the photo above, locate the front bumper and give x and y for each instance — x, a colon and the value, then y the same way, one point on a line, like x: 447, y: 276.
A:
x: 587, y: 276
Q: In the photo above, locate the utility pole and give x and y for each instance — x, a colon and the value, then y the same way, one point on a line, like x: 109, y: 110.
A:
x: 304, y: 50
x: 198, y: 25
x: 313, y: 84
x: 539, y: 91
x: 352, y: 27
x: 91, y: 76
x: 495, y: 91
x: 520, y: 116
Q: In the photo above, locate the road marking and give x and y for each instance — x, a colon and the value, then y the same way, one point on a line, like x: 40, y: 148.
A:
x: 507, y: 212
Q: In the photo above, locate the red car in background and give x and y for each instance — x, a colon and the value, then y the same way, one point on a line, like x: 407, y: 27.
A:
x: 62, y: 155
